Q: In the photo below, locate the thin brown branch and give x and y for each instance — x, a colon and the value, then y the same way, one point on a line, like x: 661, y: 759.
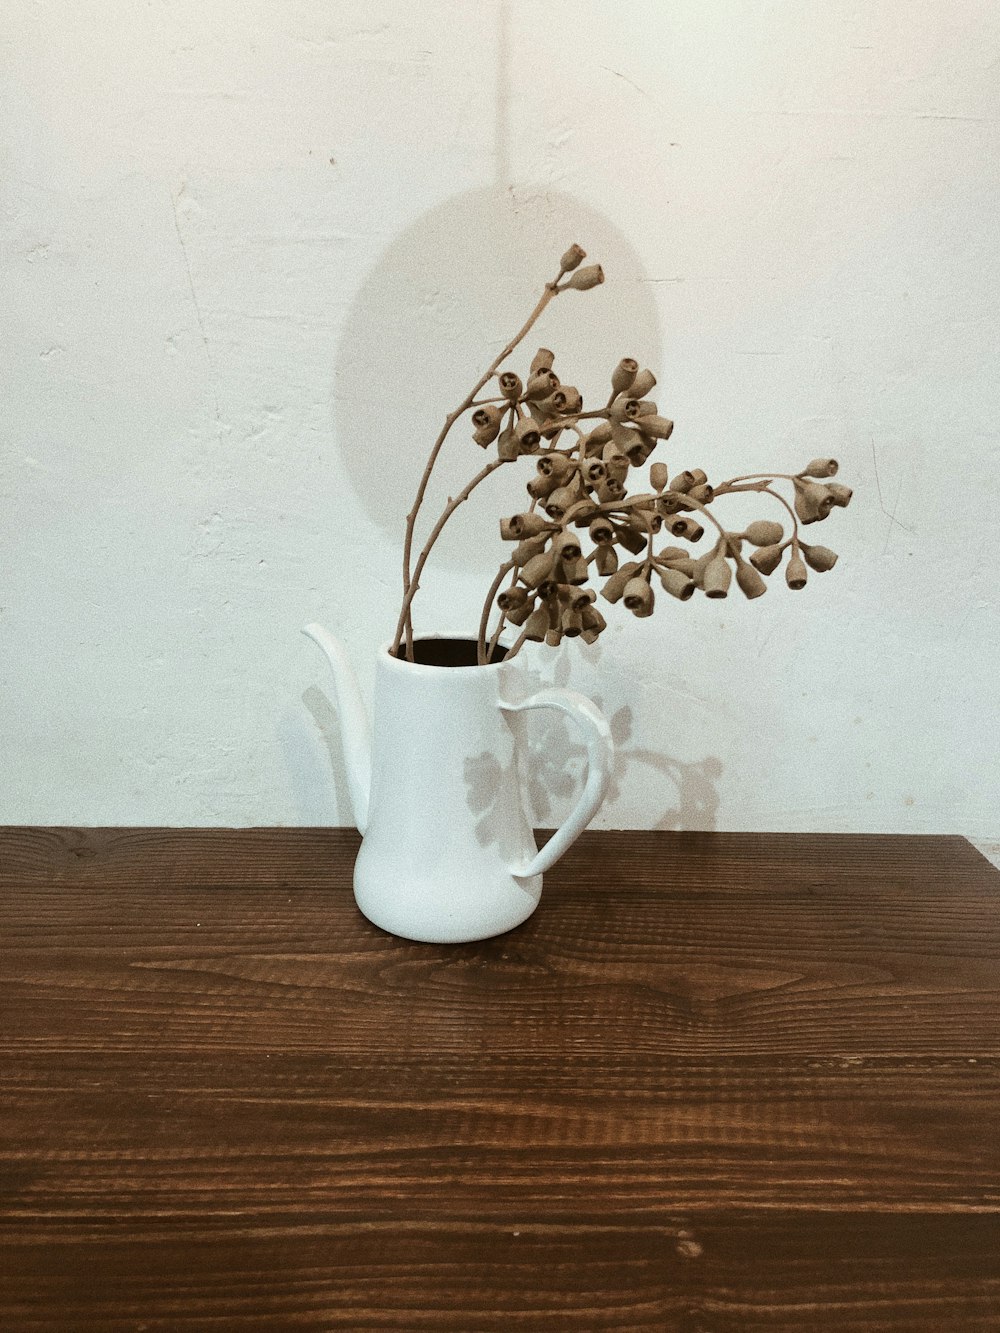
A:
x: 551, y: 290
x: 482, y: 656
x: 449, y: 509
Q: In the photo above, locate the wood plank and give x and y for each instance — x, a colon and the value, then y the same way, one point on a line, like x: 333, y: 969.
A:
x: 797, y: 1271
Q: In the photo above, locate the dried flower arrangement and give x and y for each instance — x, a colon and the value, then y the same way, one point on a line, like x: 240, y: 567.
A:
x: 584, y: 486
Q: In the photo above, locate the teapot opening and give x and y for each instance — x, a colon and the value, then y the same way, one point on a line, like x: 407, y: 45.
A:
x: 450, y: 653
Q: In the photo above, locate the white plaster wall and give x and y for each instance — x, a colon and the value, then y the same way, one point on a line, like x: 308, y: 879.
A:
x: 252, y: 254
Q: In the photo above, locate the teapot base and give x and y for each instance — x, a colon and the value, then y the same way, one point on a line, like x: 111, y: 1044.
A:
x: 435, y: 913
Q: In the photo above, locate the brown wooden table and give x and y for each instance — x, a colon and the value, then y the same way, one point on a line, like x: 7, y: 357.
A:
x: 718, y: 1082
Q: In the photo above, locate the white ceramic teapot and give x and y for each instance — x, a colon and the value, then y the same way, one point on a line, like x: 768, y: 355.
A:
x: 448, y: 853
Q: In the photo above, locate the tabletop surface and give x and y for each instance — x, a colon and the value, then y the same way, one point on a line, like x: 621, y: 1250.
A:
x: 718, y: 1081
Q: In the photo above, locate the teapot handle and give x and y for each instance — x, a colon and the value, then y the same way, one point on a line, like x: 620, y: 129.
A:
x: 600, y: 757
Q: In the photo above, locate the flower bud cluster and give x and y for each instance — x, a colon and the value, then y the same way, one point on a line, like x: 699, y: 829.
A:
x: 582, y: 494
x: 592, y: 525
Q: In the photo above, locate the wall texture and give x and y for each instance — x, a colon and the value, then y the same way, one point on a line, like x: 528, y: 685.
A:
x: 254, y: 252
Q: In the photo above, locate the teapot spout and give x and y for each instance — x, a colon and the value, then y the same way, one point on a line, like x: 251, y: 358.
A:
x: 355, y: 736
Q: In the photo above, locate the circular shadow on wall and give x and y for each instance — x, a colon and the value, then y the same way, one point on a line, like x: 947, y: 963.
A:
x: 439, y: 305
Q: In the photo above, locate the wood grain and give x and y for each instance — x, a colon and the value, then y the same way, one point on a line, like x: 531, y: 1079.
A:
x: 717, y: 1082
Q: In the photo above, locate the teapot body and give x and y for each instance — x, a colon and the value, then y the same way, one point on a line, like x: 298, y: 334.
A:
x: 448, y: 854
x: 447, y: 824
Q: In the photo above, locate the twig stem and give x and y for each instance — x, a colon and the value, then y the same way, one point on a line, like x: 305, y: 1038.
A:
x: 482, y: 657
x: 414, y: 582
x: 551, y: 289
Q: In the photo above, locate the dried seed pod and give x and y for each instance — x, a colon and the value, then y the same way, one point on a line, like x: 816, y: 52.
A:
x: 539, y: 487
x: 487, y: 422
x: 571, y: 623
x: 489, y: 416
x: 517, y: 615
x: 795, y: 572
x: 510, y: 386
x: 638, y: 597
x: 615, y: 586
x: 559, y: 501
x: 555, y: 465
x: 575, y: 572
x: 669, y: 503
x: 764, y: 533
x: 528, y: 549
x: 623, y: 375
x: 638, y: 452
x: 750, y: 582
x: 619, y: 409
x: 683, y: 482
x: 585, y: 278
x: 592, y: 619
x: 820, y: 467
x: 594, y: 471
x: 703, y: 494
x: 645, y: 520
x: 513, y: 597
x: 508, y: 447
x: 813, y: 502
x: 584, y: 510
x: 767, y: 558
x: 606, y: 561
x: 841, y: 494
x: 552, y: 406
x: 820, y: 558
x: 657, y: 428
x: 553, y: 637
x: 700, y: 566
x: 631, y: 539
x: 572, y: 259
x: 538, y: 625
x: 524, y: 525
x: 670, y: 554
x: 601, y: 531
x: 677, y: 583
x: 566, y: 546
x: 685, y: 527
x: 658, y: 476
x: 600, y: 434
x: 615, y: 461
x: 537, y: 569
x: 572, y: 399
x: 527, y: 435
x: 581, y: 597
x: 717, y: 577
x: 542, y: 360
x: 610, y: 490
x: 643, y: 382
x: 541, y: 385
